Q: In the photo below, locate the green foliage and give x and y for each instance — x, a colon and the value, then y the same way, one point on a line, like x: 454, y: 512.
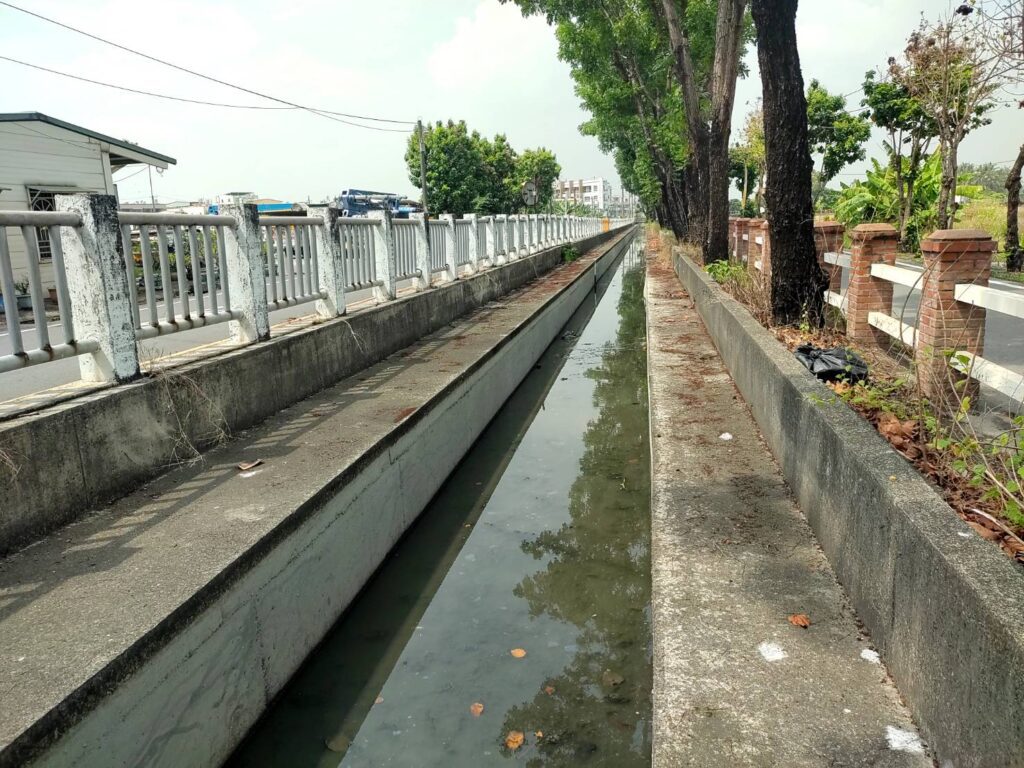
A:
x: 469, y: 173
x: 876, y: 199
x: 833, y: 133
x: 569, y: 254
x: 989, y: 176
x: 726, y: 272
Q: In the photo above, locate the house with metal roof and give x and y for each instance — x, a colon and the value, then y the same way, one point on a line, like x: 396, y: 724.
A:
x: 41, y: 156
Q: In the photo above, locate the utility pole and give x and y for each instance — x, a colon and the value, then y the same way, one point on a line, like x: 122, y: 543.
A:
x: 423, y: 166
x: 152, y: 197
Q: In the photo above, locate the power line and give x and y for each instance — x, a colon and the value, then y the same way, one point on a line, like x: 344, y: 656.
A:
x: 125, y: 178
x: 329, y: 114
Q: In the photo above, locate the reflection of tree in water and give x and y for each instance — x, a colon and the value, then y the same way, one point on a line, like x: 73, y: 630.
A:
x: 598, y: 574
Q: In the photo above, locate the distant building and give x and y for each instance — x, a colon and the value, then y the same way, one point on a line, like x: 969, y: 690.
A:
x: 41, y: 156
x: 595, y: 193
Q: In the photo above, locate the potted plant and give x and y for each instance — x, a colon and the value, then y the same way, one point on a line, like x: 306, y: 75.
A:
x: 22, y: 295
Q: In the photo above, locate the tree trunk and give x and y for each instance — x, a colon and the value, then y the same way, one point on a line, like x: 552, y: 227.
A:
x: 798, y: 282
x: 745, y: 195
x: 947, y: 192
x: 697, y: 129
x: 728, y: 27
x: 1014, y: 252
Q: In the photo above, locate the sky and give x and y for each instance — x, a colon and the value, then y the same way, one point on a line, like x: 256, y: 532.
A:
x: 476, y: 60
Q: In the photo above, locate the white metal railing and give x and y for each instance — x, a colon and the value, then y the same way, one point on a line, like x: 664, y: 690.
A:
x: 359, y: 251
x: 292, y: 260
x: 43, y: 349
x: 405, y: 248
x: 178, y: 257
x: 126, y: 276
x: 438, y: 245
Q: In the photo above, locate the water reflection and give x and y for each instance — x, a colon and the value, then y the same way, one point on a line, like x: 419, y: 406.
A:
x: 539, y: 540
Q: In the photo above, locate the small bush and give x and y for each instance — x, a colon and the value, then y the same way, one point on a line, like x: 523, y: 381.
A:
x: 569, y: 254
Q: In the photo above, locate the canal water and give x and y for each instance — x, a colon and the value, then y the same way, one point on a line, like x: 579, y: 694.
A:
x: 512, y: 622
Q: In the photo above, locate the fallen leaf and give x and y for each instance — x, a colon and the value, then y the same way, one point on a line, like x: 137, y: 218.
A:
x: 514, y: 740
x: 476, y: 709
x: 339, y: 743
x: 986, y: 533
x: 403, y: 414
x: 245, y: 466
x: 539, y: 734
x: 611, y: 679
x: 800, y: 620
x: 518, y: 653
x: 379, y: 700
x: 549, y: 690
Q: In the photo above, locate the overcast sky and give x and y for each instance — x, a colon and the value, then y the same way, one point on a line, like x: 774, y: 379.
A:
x: 471, y: 59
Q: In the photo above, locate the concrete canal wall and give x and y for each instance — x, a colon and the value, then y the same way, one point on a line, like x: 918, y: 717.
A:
x: 203, y: 592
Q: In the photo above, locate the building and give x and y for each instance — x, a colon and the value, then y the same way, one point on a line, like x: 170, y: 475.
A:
x: 594, y: 193
x: 41, y: 156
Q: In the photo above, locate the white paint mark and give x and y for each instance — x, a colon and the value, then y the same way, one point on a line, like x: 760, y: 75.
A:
x: 868, y: 655
x: 903, y: 741
x: 725, y: 436
x: 772, y: 651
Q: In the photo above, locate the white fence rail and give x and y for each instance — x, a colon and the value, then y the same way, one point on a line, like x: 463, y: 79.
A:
x: 160, y: 273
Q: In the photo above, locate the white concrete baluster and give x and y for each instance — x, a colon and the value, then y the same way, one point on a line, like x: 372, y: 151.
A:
x: 385, y: 256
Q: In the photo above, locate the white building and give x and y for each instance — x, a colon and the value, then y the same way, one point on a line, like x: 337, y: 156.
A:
x: 595, y: 193
x: 41, y: 156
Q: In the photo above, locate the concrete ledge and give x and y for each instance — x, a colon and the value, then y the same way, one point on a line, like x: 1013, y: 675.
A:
x: 85, y: 452
x: 156, y: 632
x: 943, y: 606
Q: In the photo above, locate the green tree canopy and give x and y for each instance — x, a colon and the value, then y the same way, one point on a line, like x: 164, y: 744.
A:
x: 539, y: 165
x: 834, y: 133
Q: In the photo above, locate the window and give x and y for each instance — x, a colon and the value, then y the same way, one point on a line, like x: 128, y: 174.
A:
x: 41, y: 200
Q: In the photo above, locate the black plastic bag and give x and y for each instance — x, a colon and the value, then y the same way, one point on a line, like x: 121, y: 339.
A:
x: 836, y: 364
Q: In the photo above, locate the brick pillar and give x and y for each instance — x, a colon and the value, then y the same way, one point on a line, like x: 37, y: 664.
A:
x: 828, y: 238
x: 741, y: 228
x: 766, y: 250
x: 872, y: 244
x: 951, y: 256
x: 753, y: 249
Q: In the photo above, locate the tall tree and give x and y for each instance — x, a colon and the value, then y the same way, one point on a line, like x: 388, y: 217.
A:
x: 951, y: 73
x: 834, y: 133
x: 708, y: 134
x: 541, y: 167
x: 797, y: 282
x: 909, y: 132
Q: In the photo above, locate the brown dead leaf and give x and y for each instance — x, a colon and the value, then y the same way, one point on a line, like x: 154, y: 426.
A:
x: 985, y: 532
x: 403, y: 413
x: 549, y: 690
x: 539, y: 734
x: 245, y: 466
x: 800, y: 620
x: 518, y: 653
x: 514, y: 740
x: 379, y: 700
x: 476, y: 709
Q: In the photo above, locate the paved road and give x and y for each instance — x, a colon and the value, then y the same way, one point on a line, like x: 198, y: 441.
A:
x: 1004, y: 334
x: 39, y: 377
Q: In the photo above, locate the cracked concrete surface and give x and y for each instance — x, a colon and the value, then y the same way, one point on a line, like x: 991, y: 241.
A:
x: 735, y: 682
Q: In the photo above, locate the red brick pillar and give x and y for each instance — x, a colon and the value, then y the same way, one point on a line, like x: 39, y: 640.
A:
x: 754, y: 251
x: 872, y: 244
x: 742, y: 230
x: 951, y: 257
x: 828, y: 238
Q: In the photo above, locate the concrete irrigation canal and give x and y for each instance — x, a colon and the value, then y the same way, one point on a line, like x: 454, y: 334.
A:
x: 518, y: 606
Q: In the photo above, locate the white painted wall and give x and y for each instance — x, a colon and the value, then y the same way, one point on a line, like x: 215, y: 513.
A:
x: 40, y: 155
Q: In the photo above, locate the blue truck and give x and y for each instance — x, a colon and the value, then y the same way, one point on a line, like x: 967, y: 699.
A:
x: 359, y: 202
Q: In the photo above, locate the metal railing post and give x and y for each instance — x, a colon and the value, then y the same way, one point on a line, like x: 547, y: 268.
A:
x: 422, y: 282
x: 451, y: 269
x: 475, y: 250
x: 247, y: 274
x: 99, y: 288
x: 385, y: 255
x: 330, y: 263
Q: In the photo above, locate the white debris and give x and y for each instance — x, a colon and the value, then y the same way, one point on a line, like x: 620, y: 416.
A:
x: 250, y: 474
x: 868, y: 655
x: 963, y: 534
x: 772, y: 651
x: 903, y: 741
x: 725, y: 436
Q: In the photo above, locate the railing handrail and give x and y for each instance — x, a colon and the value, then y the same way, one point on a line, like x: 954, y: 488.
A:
x: 909, y: 278
x: 39, y: 219
x: 143, y: 218
x: 1000, y: 300
x: 290, y: 221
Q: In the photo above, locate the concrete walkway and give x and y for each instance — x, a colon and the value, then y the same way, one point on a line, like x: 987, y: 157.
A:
x: 735, y: 682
